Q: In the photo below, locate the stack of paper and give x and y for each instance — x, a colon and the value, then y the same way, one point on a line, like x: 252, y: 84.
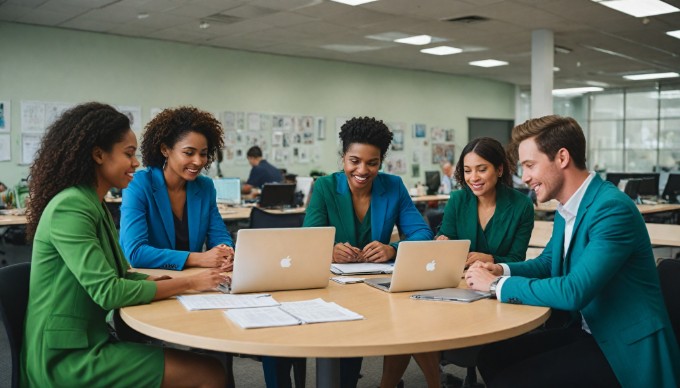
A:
x: 361, y: 268
x: 292, y: 313
x: 226, y: 301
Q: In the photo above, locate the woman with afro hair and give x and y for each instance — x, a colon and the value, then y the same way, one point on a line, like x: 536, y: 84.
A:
x: 364, y: 205
x: 169, y: 211
x: 79, y: 274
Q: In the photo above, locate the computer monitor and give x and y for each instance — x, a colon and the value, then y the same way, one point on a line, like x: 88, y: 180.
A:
x: 277, y: 195
x: 671, y: 192
x: 631, y: 187
x: 432, y: 182
x: 304, y: 186
x: 648, y: 187
x: 228, y: 190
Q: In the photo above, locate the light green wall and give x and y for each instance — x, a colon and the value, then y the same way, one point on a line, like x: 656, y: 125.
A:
x: 49, y: 64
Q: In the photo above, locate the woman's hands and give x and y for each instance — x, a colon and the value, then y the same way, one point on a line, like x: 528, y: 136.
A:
x: 220, y: 256
x: 208, y: 280
x: 374, y: 252
x: 478, y: 256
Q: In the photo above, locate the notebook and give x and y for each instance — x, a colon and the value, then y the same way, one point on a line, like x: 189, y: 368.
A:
x: 228, y: 190
x: 282, y: 259
x: 425, y: 265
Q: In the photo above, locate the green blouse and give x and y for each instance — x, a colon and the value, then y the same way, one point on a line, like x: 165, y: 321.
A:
x: 363, y: 229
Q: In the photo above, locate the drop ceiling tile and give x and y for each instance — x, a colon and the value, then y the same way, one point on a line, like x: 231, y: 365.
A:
x: 47, y: 18
x: 89, y: 25
x: 12, y: 12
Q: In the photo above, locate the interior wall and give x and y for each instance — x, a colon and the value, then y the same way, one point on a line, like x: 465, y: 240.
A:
x: 58, y: 65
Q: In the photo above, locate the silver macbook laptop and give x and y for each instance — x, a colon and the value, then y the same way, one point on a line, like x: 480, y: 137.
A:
x: 425, y: 265
x: 282, y: 259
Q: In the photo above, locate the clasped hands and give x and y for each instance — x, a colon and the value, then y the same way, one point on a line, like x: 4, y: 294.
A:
x: 373, y: 252
x: 221, y: 257
x: 480, y: 275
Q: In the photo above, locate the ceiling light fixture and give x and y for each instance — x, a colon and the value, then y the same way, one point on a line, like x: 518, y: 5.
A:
x: 141, y: 16
x: 488, y: 63
x: 417, y: 40
x: 204, y: 25
x: 675, y: 34
x: 354, y: 2
x: 562, y: 50
x: 575, y: 91
x: 641, y: 77
x: 441, y: 50
x: 639, y: 8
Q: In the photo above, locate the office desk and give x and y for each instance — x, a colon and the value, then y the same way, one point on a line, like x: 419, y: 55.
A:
x: 659, y: 234
x: 394, y: 324
x: 8, y: 220
x: 243, y: 213
x: 551, y: 207
x: 429, y: 198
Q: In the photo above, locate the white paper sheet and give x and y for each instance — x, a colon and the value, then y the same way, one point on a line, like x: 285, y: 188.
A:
x: 318, y: 310
x: 361, y: 268
x: 226, y: 301
x: 261, y: 317
x: 5, y: 148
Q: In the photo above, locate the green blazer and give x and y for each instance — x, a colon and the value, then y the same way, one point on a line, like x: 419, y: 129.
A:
x: 78, y: 275
x: 608, y: 275
x: 331, y: 205
x: 513, y: 221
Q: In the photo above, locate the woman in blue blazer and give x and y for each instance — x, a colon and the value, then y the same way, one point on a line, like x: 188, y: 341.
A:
x: 169, y: 211
x: 364, y: 206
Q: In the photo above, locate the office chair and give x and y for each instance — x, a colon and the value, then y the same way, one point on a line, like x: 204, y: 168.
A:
x: 14, y: 281
x: 262, y: 219
x: 669, y: 273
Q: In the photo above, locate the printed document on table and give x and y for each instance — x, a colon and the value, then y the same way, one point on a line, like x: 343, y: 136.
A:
x: 291, y: 313
x: 226, y: 301
x: 361, y: 268
x: 318, y: 310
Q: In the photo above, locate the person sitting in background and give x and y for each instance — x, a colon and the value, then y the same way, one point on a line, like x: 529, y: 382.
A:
x: 169, y: 211
x: 79, y: 274
x: 598, y: 265
x: 364, y: 205
x: 446, y: 179
x: 262, y: 172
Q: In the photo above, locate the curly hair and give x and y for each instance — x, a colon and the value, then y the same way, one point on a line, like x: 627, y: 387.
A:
x: 366, y: 130
x: 64, y: 158
x: 171, y: 125
x: 490, y: 150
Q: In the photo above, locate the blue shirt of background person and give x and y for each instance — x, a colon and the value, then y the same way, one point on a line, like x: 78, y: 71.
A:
x: 170, y: 204
x: 262, y: 171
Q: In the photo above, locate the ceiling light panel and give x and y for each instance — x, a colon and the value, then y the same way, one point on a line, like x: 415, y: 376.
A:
x: 575, y: 91
x: 675, y: 34
x: 639, y: 8
x: 640, y: 77
x: 354, y: 2
x: 441, y: 50
x: 488, y: 63
x: 417, y: 40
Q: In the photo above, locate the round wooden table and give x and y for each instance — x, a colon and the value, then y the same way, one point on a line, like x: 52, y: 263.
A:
x: 393, y: 324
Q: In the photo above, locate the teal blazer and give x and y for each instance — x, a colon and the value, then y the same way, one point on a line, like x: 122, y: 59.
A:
x: 78, y: 275
x: 608, y: 275
x: 513, y: 221
x: 147, y: 229
x: 331, y: 205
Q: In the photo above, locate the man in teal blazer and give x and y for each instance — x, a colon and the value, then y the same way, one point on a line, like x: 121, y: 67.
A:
x: 331, y: 205
x: 147, y: 230
x: 598, y: 265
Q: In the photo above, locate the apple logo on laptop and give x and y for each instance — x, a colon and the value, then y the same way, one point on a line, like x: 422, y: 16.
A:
x: 430, y: 267
x: 286, y: 262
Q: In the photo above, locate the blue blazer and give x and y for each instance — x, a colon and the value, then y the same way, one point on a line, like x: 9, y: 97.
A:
x: 331, y: 205
x: 147, y: 229
x: 608, y: 275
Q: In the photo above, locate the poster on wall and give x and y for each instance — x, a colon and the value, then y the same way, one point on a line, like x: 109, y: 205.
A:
x: 30, y: 143
x: 5, y: 148
x: 32, y: 116
x: 442, y: 153
x: 396, y: 164
x: 53, y: 110
x: 398, y: 140
x: 134, y: 114
x: 419, y: 131
x: 438, y: 135
x: 320, y: 126
x: 5, y: 115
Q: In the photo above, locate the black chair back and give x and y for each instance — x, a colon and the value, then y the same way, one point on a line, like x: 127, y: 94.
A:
x: 262, y: 219
x: 669, y: 277
x: 14, y: 280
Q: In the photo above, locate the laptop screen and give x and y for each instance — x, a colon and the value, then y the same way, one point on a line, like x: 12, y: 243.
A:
x: 228, y: 190
x: 277, y: 195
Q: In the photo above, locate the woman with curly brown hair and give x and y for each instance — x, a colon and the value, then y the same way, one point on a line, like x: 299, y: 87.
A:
x: 79, y: 274
x: 169, y: 211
